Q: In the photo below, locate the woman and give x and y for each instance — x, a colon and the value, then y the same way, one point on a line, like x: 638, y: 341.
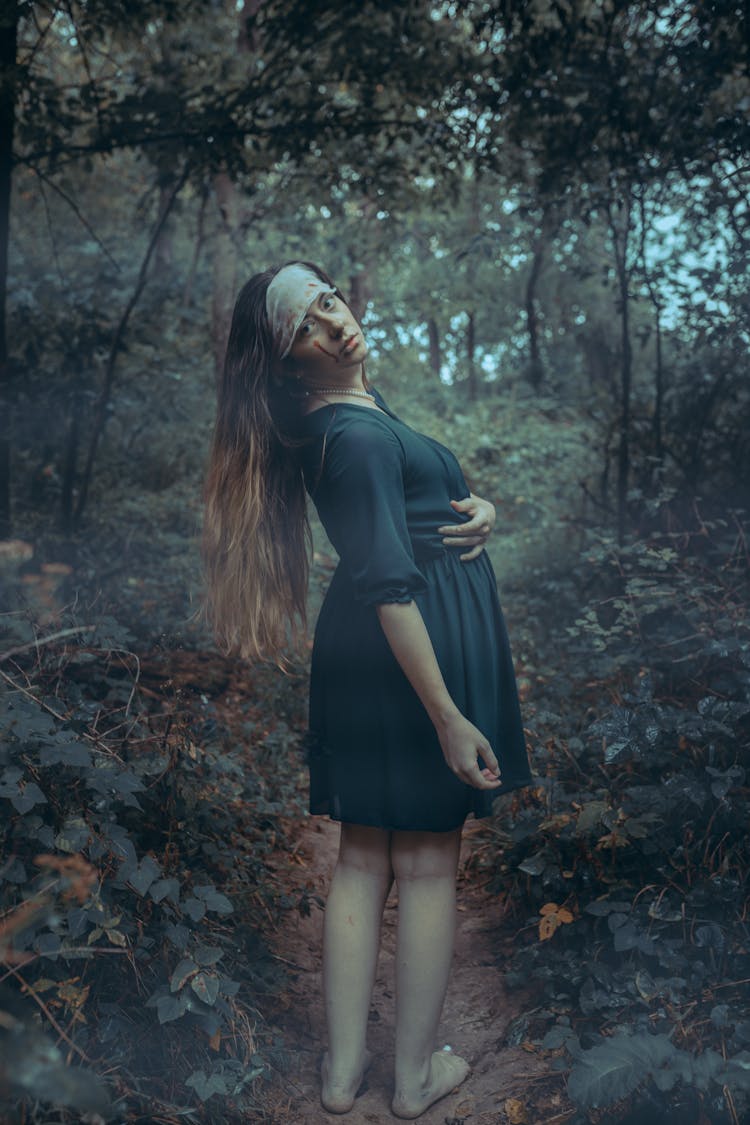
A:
x: 412, y: 694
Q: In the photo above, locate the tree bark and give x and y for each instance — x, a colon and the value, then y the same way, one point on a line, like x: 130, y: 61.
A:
x: 470, y: 358
x: 360, y: 278
x: 659, y: 391
x: 536, y: 367
x: 164, y: 255
x: 226, y: 243
x: 359, y: 292
x: 225, y: 266
x: 436, y: 358
x: 659, y: 366
x: 9, y: 15
x: 187, y: 294
x: 620, y: 234
x: 70, y: 466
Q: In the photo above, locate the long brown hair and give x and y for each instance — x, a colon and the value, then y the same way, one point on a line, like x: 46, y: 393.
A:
x: 256, y: 535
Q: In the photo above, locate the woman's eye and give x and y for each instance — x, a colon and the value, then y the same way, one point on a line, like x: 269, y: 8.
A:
x: 306, y: 328
x: 328, y: 302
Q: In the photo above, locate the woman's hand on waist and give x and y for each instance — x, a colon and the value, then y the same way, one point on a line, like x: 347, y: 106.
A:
x: 476, y: 531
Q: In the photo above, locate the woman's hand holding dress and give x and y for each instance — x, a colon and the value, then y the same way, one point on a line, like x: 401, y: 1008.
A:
x: 476, y: 531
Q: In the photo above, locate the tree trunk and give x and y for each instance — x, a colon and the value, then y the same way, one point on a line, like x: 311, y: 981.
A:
x: 659, y: 368
x: 70, y: 467
x: 436, y: 358
x: 620, y: 235
x: 360, y: 276
x: 8, y: 44
x: 225, y: 266
x: 100, y: 410
x: 536, y: 367
x: 359, y: 292
x: 470, y: 350
x: 598, y: 358
x: 163, y: 255
x: 226, y: 243
x: 187, y: 293
x: 659, y: 393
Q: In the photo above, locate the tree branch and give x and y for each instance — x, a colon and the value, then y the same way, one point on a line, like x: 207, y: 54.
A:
x: 100, y: 413
x: 76, y: 211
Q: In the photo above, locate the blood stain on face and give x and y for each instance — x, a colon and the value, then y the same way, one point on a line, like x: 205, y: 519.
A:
x: 325, y: 351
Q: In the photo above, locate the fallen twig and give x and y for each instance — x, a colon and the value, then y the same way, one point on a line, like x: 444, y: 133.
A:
x: 45, y: 640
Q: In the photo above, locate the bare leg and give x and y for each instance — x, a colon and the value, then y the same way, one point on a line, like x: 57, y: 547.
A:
x: 425, y: 865
x: 351, y: 939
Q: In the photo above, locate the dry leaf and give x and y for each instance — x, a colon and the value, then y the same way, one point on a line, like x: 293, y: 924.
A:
x: 552, y: 916
x: 547, y: 926
x: 515, y: 1111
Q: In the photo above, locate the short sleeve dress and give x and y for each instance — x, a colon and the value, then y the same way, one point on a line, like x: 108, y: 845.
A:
x: 381, y: 490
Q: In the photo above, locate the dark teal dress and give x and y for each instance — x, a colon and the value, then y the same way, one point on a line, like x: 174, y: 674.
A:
x: 381, y: 490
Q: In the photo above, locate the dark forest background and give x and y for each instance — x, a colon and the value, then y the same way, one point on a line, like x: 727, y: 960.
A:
x: 540, y: 211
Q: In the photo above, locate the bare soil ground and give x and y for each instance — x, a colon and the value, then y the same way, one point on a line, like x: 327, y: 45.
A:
x: 507, y: 1085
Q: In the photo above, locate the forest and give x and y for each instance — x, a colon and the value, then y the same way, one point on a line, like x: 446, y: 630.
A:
x: 539, y: 210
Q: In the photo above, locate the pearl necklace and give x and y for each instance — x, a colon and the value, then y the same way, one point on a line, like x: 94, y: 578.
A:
x: 339, y: 391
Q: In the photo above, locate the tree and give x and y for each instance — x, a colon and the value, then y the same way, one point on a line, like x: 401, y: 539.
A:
x: 9, y: 12
x: 306, y: 77
x: 670, y: 79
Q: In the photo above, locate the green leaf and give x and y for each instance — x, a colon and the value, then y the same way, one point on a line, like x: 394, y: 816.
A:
x: 183, y: 971
x: 28, y: 797
x: 615, y: 1068
x: 206, y: 987
x: 143, y: 877
x: 67, y: 753
x: 170, y: 1008
x: 163, y: 888
x: 535, y: 864
x: 208, y: 954
x: 590, y: 815
x: 206, y: 1087
x: 213, y: 899
x: 194, y: 908
x: 74, y: 835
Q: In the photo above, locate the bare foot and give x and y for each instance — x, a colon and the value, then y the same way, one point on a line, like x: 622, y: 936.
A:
x: 446, y: 1072
x: 338, y: 1096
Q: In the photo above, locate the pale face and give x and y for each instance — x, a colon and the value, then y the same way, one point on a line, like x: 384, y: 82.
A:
x: 329, y: 342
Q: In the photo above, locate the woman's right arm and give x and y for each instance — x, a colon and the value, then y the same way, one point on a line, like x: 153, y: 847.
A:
x: 460, y: 740
x: 361, y: 502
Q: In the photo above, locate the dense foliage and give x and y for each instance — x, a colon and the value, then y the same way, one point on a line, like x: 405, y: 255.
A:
x: 132, y: 869
x: 632, y: 869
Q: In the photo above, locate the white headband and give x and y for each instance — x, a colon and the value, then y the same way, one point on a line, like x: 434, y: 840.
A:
x: 288, y: 298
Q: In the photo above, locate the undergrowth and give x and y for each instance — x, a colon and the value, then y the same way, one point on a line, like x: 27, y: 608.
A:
x: 140, y: 799
x: 628, y: 870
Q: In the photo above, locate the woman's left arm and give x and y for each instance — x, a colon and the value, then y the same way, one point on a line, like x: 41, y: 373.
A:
x: 475, y: 532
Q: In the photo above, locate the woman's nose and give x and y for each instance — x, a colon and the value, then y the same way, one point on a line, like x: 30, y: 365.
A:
x: 335, y: 324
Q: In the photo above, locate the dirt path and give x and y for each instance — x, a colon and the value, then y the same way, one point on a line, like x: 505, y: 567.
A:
x: 507, y: 1086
